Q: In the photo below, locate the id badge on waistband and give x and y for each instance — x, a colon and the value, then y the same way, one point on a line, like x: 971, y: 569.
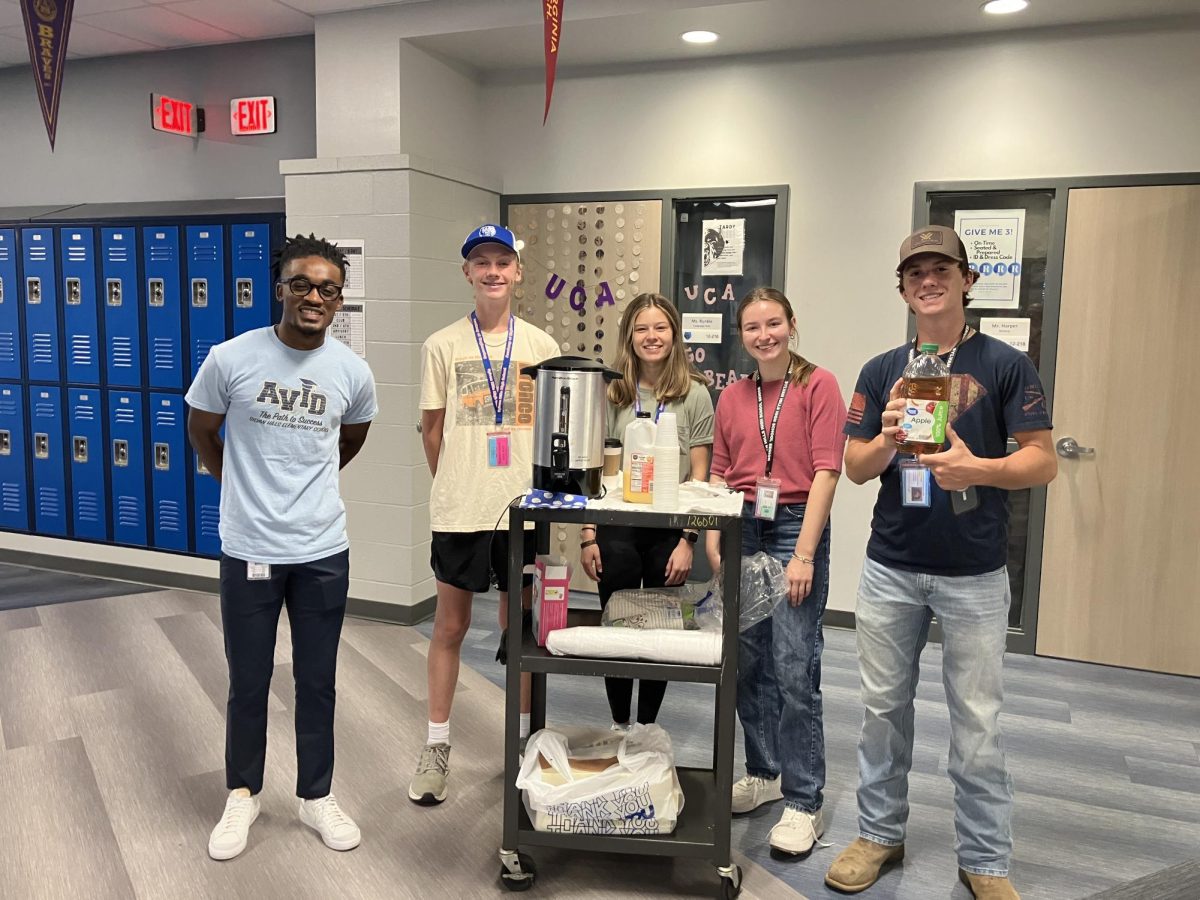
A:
x: 258, y: 571
x: 766, y: 498
x: 498, y: 449
x: 915, y: 484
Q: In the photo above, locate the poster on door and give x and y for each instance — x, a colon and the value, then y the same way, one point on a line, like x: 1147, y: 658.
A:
x: 994, y: 239
x: 724, y: 246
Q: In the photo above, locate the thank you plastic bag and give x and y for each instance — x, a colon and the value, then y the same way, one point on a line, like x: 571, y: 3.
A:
x: 596, y: 781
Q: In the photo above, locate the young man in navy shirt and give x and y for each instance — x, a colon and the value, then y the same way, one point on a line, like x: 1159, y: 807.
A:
x: 940, y: 549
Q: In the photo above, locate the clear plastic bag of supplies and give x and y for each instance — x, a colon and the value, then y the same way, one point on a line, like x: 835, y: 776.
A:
x: 764, y: 586
x: 688, y: 607
x: 597, y: 781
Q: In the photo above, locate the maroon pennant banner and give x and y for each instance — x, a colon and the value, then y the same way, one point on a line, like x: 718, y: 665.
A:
x: 552, y: 29
x: 47, y: 24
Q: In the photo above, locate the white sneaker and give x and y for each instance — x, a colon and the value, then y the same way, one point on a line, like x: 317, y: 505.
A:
x: 622, y: 727
x: 337, y: 829
x: 797, y: 831
x: 751, y: 792
x: 228, y: 839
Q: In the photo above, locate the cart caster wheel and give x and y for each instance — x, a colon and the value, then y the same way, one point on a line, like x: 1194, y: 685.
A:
x: 731, y: 881
x: 517, y: 871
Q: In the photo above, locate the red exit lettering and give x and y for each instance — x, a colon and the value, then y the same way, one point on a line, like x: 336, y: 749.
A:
x: 252, y: 115
x: 169, y: 114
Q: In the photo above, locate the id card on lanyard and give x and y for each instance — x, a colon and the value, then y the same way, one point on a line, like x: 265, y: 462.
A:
x: 766, y: 488
x: 498, y: 449
x: 637, y: 405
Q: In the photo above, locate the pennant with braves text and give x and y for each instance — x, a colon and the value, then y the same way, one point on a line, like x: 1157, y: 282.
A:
x: 552, y: 29
x: 47, y: 23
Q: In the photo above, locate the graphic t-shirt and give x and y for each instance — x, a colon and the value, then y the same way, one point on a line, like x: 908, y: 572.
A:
x: 467, y: 495
x: 283, y: 409
x: 995, y: 392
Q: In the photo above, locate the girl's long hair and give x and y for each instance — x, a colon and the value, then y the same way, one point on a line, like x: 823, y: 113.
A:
x: 677, y: 376
x: 802, y: 369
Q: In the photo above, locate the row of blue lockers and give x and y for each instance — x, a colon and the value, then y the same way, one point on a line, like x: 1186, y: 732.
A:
x: 105, y: 305
x: 106, y: 465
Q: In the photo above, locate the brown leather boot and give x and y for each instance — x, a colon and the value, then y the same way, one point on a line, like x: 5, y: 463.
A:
x: 988, y: 887
x: 858, y: 866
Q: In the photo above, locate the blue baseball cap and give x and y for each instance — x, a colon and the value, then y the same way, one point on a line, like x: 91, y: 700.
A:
x: 490, y: 234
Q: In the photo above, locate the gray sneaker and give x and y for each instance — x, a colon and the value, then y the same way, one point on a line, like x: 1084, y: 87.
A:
x: 428, y: 786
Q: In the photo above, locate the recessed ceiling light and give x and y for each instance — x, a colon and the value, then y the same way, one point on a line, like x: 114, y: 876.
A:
x: 699, y: 37
x: 1001, y: 7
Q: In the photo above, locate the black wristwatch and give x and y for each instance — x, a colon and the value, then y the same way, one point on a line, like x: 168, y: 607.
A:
x: 691, y: 536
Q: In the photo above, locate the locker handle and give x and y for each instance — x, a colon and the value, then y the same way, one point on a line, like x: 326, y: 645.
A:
x: 33, y: 290
x: 162, y: 457
x: 1, y: 290
x: 200, y: 292
x: 120, y: 453
x: 5, y: 442
x: 74, y: 291
x: 156, y: 292
x: 244, y: 293
x: 41, y: 446
x: 79, y: 448
x: 114, y: 291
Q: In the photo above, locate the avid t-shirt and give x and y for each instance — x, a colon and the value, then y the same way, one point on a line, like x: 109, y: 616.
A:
x: 283, y: 410
x: 995, y: 392
x: 467, y: 495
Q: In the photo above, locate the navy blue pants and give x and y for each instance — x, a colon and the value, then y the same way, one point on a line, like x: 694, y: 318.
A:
x: 315, y: 596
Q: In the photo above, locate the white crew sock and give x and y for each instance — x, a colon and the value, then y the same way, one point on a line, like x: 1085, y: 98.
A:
x: 524, y: 725
x: 439, y: 733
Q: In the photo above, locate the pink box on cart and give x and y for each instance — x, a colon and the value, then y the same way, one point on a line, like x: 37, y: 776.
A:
x: 551, y: 581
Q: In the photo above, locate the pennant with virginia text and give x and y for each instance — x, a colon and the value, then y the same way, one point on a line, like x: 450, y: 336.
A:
x: 552, y: 28
x: 47, y: 23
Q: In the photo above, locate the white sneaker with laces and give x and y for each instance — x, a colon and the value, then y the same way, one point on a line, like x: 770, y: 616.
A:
x: 229, y: 838
x: 797, y: 831
x: 337, y: 829
x: 752, y: 791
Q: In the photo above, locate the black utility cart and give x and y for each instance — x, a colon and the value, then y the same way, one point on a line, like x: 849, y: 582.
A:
x: 703, y: 827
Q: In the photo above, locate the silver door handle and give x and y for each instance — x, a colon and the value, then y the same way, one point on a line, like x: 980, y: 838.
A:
x: 1068, y: 448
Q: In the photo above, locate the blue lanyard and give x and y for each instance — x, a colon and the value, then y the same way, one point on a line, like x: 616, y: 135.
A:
x: 637, y: 405
x: 497, y: 391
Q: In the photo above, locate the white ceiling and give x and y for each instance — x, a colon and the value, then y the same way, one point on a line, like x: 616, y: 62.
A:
x: 506, y: 35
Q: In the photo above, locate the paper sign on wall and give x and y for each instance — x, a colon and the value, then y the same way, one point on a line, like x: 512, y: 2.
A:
x: 356, y: 280
x: 1014, y: 332
x: 700, y: 328
x: 724, y: 246
x: 349, y: 326
x: 994, y: 239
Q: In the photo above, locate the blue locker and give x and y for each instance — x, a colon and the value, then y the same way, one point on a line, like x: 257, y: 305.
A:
x: 127, y: 466
x: 81, y: 316
x: 168, y: 461
x: 49, y: 464
x: 14, y: 477
x: 205, y: 287
x: 10, y: 323
x: 206, y: 501
x: 250, y: 259
x: 41, y: 304
x: 89, y: 507
x: 164, y: 316
x: 119, y: 297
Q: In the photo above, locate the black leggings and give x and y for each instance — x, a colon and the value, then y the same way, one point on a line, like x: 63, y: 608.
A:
x: 633, y: 558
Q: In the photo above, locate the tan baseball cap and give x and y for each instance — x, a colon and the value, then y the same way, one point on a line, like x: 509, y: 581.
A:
x: 932, y: 239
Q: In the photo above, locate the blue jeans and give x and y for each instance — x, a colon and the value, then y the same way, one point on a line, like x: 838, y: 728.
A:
x: 893, y: 615
x: 779, y: 670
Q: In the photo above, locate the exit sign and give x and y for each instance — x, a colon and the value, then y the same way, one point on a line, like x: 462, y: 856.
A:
x: 175, y: 116
x: 252, y: 115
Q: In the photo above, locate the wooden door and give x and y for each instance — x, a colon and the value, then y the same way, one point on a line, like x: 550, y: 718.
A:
x: 1122, y: 539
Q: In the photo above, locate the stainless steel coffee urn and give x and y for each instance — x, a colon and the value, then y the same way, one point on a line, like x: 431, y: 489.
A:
x: 568, y: 433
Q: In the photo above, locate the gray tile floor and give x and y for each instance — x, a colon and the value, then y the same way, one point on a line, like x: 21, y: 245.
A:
x: 1106, y: 763
x: 111, y: 747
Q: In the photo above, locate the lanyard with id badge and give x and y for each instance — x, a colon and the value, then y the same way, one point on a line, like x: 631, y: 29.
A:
x: 766, y: 488
x: 497, y: 441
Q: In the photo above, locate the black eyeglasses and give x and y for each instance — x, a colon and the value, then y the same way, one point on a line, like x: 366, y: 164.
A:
x: 299, y: 286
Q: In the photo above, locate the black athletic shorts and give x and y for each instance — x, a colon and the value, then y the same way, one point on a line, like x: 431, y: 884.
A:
x: 461, y: 559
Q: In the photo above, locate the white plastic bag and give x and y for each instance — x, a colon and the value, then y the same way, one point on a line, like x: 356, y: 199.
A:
x: 639, y: 793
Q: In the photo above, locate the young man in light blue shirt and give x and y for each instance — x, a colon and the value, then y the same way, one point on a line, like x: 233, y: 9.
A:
x: 295, y: 408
